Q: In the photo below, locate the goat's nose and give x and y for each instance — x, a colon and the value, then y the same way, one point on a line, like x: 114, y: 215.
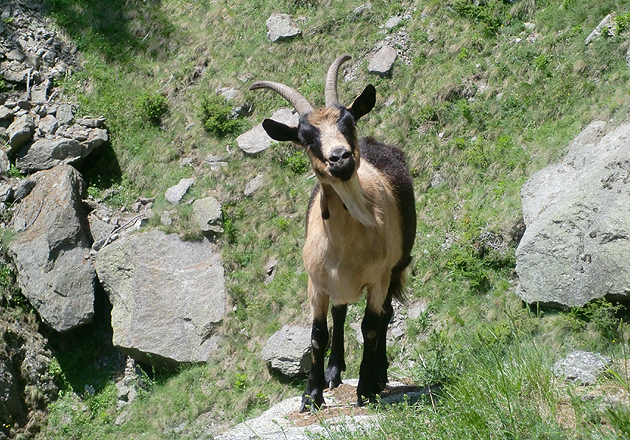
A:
x: 338, y: 154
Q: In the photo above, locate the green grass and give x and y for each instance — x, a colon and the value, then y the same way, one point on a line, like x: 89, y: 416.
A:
x: 485, y: 101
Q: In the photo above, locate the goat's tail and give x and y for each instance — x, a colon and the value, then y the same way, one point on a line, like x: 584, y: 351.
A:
x: 398, y: 281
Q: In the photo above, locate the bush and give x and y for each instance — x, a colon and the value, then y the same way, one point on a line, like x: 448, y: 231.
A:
x: 151, y: 107
x: 216, y: 116
x: 622, y: 23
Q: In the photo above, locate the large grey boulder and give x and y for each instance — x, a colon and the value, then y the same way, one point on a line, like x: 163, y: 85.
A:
x: 51, y: 251
x: 256, y: 140
x: 45, y: 154
x: 168, y: 296
x: 288, y: 351
x: 576, y: 245
x: 78, y: 142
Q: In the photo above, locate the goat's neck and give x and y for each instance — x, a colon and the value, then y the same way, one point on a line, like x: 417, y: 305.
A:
x: 353, y: 197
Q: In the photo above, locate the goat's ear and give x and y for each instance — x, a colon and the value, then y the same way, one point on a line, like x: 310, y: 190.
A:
x: 363, y: 103
x: 279, y: 131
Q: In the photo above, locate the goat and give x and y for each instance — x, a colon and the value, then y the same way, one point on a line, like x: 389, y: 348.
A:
x: 360, y: 229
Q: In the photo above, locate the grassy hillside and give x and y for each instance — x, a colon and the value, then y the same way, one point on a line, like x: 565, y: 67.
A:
x: 487, y: 93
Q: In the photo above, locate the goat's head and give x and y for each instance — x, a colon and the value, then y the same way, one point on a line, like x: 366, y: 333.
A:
x: 328, y: 134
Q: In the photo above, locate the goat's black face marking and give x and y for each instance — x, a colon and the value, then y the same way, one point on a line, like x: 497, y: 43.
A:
x: 309, y: 136
x: 347, y: 127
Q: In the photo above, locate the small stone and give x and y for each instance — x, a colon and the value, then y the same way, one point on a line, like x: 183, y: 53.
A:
x: 175, y: 193
x: 6, y: 113
x: 361, y: 10
x: 281, y: 27
x: 392, y: 22
x: 4, y: 163
x: 229, y: 93
x: 6, y: 193
x: 64, y: 114
x: 39, y: 93
x: 23, y: 189
x: 208, y: 215
x: 436, y: 180
x: 15, y: 55
x: 91, y: 122
x: 20, y: 132
x: 382, y: 62
x: 254, y: 185
x: 214, y: 162
x: 48, y: 124
x: 582, y: 367
x: 165, y: 218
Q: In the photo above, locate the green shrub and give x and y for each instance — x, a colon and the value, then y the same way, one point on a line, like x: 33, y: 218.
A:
x: 215, y: 116
x: 297, y: 162
x: 151, y: 107
x: 622, y: 23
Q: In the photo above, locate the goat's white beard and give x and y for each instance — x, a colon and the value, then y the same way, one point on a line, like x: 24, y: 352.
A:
x: 356, y: 201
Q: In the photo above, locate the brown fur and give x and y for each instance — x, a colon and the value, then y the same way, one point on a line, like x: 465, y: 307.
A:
x: 342, y: 256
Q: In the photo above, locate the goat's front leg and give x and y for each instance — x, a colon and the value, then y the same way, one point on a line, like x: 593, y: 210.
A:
x: 337, y: 363
x: 313, y: 397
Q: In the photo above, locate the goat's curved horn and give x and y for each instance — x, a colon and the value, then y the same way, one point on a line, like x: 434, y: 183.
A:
x: 330, y: 92
x: 299, y: 103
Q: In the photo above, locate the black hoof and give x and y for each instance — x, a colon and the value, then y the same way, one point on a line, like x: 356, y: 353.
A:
x: 333, y: 376
x: 369, y: 389
x: 312, y: 402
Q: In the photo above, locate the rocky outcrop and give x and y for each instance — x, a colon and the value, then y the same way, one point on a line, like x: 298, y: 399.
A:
x: 284, y: 422
x: 26, y: 385
x: 576, y: 246
x: 288, y: 351
x: 168, y: 296
x: 42, y: 132
x: 51, y: 250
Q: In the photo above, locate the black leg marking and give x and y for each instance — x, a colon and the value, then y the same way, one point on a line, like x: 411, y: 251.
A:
x: 336, y: 363
x: 368, y: 374
x: 381, y: 347
x: 313, y: 397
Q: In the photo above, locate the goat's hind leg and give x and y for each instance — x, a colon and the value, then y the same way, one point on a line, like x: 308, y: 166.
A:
x: 382, y: 364
x: 368, y: 375
x: 337, y: 363
x: 373, y: 372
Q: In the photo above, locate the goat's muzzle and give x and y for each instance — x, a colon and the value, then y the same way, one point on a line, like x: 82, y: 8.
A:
x: 341, y: 163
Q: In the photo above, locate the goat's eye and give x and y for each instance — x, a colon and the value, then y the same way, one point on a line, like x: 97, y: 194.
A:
x: 309, y: 142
